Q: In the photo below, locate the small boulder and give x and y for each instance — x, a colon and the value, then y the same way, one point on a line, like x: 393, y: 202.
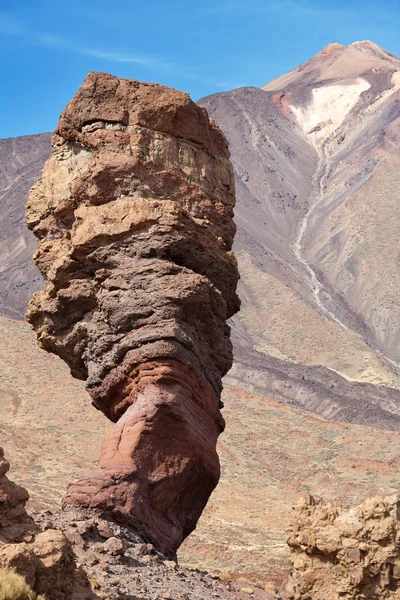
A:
x: 114, y: 546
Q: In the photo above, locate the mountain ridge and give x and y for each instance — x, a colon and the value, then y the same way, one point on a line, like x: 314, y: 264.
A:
x: 338, y: 60
x: 303, y: 147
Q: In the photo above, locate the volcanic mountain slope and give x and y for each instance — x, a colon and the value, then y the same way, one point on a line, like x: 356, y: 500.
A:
x: 317, y: 174
x: 317, y: 171
x: 21, y: 160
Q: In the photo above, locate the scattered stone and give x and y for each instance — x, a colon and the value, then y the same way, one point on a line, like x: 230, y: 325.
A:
x: 91, y: 559
x: 135, y: 574
x: 75, y: 537
x: 85, y: 526
x: 114, y: 546
x: 105, y: 530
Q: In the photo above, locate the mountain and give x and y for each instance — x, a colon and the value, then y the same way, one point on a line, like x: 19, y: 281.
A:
x: 21, y: 160
x: 316, y: 167
x: 317, y: 173
x: 317, y: 176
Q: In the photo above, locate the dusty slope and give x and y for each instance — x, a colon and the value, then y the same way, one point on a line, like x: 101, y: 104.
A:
x: 270, y: 454
x: 20, y: 162
x: 316, y: 162
x: 47, y: 425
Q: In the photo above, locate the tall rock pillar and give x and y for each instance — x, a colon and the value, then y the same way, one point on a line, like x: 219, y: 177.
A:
x: 133, y: 214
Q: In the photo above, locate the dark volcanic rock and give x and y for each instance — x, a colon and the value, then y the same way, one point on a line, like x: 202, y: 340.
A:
x: 133, y: 213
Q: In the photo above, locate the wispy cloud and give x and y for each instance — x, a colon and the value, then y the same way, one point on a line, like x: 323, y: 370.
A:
x: 13, y: 28
x: 220, y: 84
x: 68, y: 46
x: 123, y: 58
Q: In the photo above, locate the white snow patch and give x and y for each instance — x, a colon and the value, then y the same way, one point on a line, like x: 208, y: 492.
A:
x: 328, y: 108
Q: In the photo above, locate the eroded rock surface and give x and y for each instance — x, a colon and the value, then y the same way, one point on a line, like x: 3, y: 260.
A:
x: 345, y: 553
x: 133, y: 214
x: 44, y: 558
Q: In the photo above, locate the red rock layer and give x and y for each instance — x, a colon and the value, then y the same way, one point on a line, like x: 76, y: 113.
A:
x: 133, y: 214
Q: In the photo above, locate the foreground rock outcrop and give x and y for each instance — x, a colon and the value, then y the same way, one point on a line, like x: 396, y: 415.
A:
x: 133, y: 214
x: 44, y: 558
x: 76, y: 554
x: 347, y: 554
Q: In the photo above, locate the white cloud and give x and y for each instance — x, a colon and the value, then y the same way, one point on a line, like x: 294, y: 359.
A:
x: 14, y: 28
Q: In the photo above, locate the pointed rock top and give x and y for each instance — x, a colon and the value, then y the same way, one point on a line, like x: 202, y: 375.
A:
x: 127, y: 102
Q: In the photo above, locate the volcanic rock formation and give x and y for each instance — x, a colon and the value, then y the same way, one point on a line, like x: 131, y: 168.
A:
x: 133, y: 214
x: 345, y: 553
x: 44, y: 558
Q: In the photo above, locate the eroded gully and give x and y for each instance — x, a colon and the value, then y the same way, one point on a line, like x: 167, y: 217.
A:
x: 323, y: 169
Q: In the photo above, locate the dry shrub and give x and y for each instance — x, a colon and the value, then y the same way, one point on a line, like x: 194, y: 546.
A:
x: 14, y: 587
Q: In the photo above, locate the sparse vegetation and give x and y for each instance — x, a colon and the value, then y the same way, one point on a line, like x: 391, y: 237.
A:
x: 14, y: 587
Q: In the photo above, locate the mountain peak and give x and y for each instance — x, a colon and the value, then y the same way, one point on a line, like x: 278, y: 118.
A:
x: 365, y: 46
x: 364, y: 43
x: 368, y: 47
x: 339, y: 62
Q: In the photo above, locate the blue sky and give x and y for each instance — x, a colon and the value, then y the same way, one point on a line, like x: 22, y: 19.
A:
x: 48, y: 46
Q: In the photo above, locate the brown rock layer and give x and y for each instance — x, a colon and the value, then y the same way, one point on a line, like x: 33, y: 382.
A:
x: 345, y: 553
x: 44, y: 559
x: 133, y: 214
